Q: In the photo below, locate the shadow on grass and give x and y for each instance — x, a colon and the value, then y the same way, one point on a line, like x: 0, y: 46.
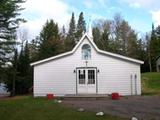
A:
x: 150, y: 92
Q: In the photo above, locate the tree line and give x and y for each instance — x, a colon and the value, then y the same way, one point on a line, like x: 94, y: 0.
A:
x: 51, y: 41
x: 114, y: 35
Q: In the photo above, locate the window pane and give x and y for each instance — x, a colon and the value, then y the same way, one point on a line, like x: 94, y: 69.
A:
x: 81, y: 76
x: 86, y: 52
x: 91, y: 77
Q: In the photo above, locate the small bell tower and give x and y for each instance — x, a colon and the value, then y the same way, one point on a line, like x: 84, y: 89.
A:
x: 89, y: 31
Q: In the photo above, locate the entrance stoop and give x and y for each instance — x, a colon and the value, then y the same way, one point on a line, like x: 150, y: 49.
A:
x: 86, y: 96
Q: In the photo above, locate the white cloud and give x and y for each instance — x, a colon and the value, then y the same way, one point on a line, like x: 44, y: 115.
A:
x: 95, y: 4
x: 38, y: 11
x: 88, y: 4
x: 135, y: 5
x: 96, y: 17
x: 156, y: 17
x: 114, y: 10
x: 102, y: 3
x: 147, y: 4
x: 33, y: 27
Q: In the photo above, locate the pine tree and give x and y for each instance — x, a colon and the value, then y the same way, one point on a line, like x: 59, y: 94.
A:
x: 117, y: 33
x: 105, y: 40
x: 49, y: 30
x: 23, y: 77
x: 125, y: 37
x: 81, y: 27
x: 49, y: 40
x: 63, y: 32
x: 71, y: 39
x: 142, y: 53
x: 132, y: 46
x: 126, y: 34
x: 9, y: 22
x: 15, y: 62
x: 152, y: 49
x: 26, y: 59
x: 147, y: 62
x: 158, y: 41
x: 102, y: 35
x: 154, y: 46
x: 19, y: 76
x: 72, y: 27
x: 97, y: 36
x: 26, y: 82
x: 33, y: 49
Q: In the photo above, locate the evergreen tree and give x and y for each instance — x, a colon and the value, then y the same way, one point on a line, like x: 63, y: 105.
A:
x: 142, y: 50
x: 49, y: 30
x: 72, y: 27
x: 142, y: 53
x: 11, y: 74
x: 33, y: 49
x: 158, y: 41
x: 154, y: 46
x: 152, y: 49
x: 97, y: 36
x: 117, y: 21
x: 122, y: 39
x: 9, y: 22
x: 19, y: 76
x: 26, y: 59
x: 81, y: 26
x: 105, y: 40
x: 101, y: 38
x: 71, y: 39
x: 127, y: 37
x: 132, y: 46
x: 49, y: 40
x: 15, y: 62
x: 20, y: 65
x: 63, y: 32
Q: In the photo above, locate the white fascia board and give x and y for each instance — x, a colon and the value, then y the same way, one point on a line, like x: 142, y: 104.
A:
x: 97, y: 49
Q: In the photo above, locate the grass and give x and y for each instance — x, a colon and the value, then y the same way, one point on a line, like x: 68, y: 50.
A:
x: 29, y: 108
x: 151, y: 83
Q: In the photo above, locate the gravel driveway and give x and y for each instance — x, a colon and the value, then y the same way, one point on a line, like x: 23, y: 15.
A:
x: 143, y: 107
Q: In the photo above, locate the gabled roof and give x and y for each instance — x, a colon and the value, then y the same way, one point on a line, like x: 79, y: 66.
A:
x: 96, y: 48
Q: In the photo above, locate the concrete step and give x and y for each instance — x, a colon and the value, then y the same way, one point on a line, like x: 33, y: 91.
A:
x: 86, y: 96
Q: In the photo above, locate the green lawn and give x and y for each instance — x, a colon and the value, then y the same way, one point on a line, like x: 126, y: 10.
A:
x: 151, y: 83
x: 29, y: 108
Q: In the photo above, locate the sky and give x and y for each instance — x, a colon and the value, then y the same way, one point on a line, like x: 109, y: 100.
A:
x: 140, y: 14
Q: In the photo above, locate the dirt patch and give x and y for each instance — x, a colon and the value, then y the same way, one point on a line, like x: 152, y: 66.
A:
x: 143, y: 107
x: 3, y: 96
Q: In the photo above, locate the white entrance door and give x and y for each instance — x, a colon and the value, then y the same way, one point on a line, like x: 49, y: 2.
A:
x: 86, y: 81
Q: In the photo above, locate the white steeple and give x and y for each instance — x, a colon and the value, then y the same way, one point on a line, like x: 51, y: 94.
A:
x: 89, y: 32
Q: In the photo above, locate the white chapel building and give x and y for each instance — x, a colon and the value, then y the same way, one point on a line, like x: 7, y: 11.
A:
x: 87, y: 70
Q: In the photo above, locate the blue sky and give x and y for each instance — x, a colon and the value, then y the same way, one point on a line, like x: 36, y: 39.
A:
x: 139, y: 13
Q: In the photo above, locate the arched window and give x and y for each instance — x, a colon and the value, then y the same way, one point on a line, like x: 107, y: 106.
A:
x: 86, y: 52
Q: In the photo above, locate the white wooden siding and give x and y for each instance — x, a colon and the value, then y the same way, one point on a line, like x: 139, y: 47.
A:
x: 57, y: 76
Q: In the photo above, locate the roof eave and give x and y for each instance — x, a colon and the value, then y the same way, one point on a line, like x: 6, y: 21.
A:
x: 61, y: 55
x: 120, y: 56
x: 97, y: 49
x: 50, y: 58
